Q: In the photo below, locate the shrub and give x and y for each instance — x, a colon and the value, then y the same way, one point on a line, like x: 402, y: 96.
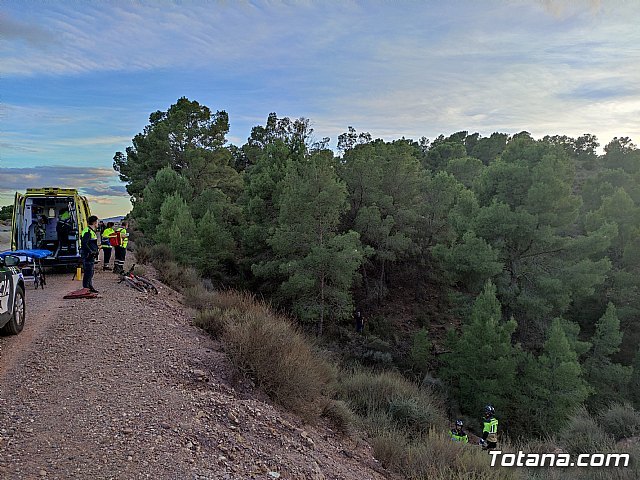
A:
x: 389, y: 449
x: 435, y: 457
x: 199, y: 298
x: 176, y: 276
x: 340, y: 415
x: 620, y: 421
x: 370, y: 394
x: 584, y: 435
x: 380, y: 326
x: 410, y: 415
x: 143, y: 254
x: 280, y: 359
x: 268, y: 348
x: 160, y: 253
x: 212, y: 321
x: 139, y: 270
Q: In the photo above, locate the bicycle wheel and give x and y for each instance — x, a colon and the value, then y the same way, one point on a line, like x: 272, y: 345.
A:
x: 133, y: 284
x: 147, y: 283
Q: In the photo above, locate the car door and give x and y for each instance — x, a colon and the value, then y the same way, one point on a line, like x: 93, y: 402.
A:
x: 5, y: 294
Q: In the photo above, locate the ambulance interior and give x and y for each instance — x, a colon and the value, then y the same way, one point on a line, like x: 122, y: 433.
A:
x: 43, y: 229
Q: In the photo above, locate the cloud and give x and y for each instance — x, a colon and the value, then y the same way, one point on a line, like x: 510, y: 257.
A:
x: 19, y: 179
x: 34, y: 35
x: 110, y: 190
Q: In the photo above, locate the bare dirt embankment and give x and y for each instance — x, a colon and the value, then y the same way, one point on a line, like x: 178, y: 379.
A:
x: 124, y: 387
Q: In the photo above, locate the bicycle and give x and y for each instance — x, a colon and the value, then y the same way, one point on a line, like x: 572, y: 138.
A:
x: 137, y: 282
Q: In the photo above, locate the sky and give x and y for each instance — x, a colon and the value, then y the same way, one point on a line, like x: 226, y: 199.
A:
x: 79, y: 79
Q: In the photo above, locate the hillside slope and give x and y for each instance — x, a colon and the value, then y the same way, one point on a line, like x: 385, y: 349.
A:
x: 124, y: 386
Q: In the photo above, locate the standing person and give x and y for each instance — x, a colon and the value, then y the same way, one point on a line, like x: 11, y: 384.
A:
x: 101, y: 227
x: 489, y: 429
x: 89, y: 251
x: 122, y: 240
x: 358, y: 318
x: 106, y: 245
x: 41, y: 230
x: 64, y: 227
x: 458, y: 434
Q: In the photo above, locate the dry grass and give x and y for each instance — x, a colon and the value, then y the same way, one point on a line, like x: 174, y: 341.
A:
x: 408, y: 407
x: 435, y: 456
x: 176, y: 276
x: 620, y: 421
x: 268, y: 348
x: 340, y: 415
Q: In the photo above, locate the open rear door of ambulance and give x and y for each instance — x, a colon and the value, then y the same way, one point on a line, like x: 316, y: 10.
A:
x: 17, y: 222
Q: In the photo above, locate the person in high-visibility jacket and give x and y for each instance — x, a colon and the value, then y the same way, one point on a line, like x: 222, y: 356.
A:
x: 458, y: 434
x: 106, y: 245
x: 489, y: 428
x: 121, y: 247
x: 89, y: 251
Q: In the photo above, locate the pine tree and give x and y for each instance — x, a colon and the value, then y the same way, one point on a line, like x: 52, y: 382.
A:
x: 608, y: 379
x: 319, y: 263
x: 484, y: 360
x: 147, y: 208
x: 559, y: 388
x: 216, y: 246
x: 177, y: 230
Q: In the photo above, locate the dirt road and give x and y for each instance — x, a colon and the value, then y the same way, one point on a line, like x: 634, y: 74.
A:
x: 124, y: 387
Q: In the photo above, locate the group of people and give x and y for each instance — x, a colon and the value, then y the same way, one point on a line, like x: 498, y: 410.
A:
x: 98, y: 236
x: 489, y: 439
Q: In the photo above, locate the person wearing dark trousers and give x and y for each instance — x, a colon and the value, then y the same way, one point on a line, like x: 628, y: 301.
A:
x: 122, y: 240
x: 358, y: 318
x: 107, y: 236
x: 89, y: 251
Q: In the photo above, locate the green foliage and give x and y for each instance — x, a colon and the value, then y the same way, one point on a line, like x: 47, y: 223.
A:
x: 545, y: 232
x: 6, y: 212
x: 554, y: 387
x: 319, y: 263
x: 483, y: 363
x: 217, y: 245
x: 176, y: 229
x: 608, y: 379
x: 185, y: 138
x: 421, y: 350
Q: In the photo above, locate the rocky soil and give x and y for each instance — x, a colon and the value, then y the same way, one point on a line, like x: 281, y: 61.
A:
x: 124, y: 387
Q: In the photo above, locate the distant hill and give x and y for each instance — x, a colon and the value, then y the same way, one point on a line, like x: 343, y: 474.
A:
x: 113, y: 219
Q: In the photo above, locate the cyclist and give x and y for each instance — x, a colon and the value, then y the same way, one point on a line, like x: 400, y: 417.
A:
x: 458, y: 434
x: 489, y: 439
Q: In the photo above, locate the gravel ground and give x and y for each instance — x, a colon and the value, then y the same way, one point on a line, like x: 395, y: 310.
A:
x: 124, y: 387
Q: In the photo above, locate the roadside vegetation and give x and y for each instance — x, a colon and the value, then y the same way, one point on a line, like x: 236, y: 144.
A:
x: 499, y: 269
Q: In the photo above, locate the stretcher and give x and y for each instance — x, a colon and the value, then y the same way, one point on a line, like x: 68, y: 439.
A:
x: 31, y: 265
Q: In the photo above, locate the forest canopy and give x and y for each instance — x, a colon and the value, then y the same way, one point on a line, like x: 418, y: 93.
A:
x: 528, y: 249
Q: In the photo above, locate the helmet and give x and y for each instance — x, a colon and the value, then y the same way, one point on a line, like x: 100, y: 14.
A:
x: 458, y: 423
x: 489, y: 410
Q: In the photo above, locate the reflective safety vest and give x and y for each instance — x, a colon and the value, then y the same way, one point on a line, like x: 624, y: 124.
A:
x: 124, y: 236
x: 105, y: 236
x: 64, y: 216
x: 491, y: 426
x: 94, y: 236
x: 85, y: 249
x: 464, y: 438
